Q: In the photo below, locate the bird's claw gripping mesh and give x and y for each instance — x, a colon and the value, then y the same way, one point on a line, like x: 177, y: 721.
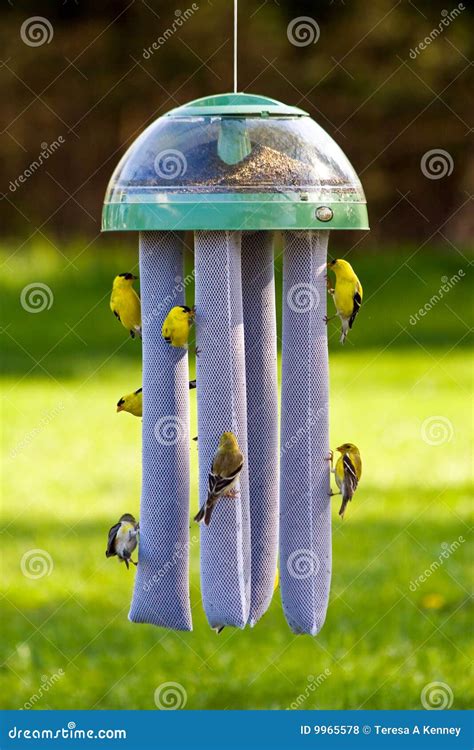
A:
x: 221, y: 391
x: 305, y: 517
x: 161, y: 594
x: 258, y: 298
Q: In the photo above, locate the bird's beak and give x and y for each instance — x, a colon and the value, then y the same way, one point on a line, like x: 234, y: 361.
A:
x: 119, y: 408
x: 134, y: 277
x: 340, y: 449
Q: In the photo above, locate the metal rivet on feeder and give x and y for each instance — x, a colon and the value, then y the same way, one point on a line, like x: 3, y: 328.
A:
x: 324, y: 213
x: 234, y: 168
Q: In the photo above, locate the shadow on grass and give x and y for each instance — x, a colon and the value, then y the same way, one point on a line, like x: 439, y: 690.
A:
x: 78, y: 333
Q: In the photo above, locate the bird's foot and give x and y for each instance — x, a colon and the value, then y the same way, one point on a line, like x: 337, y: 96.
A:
x: 197, y: 351
x: 134, y: 563
x: 232, y: 494
x: 331, y: 493
x: 330, y: 457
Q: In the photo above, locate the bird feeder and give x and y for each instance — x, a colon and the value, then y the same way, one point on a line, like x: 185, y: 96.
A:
x: 234, y: 169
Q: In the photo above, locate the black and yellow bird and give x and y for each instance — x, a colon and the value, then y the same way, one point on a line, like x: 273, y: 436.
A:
x: 132, y: 402
x: 125, y: 304
x: 347, y: 473
x: 177, y: 324
x: 123, y: 539
x: 347, y: 295
x: 226, y: 467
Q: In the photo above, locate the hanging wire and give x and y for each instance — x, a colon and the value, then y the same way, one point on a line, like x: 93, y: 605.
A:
x: 235, y: 44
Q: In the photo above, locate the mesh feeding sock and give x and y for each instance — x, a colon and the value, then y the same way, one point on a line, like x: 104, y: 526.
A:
x: 305, y: 517
x: 161, y: 594
x: 258, y: 297
x: 221, y: 397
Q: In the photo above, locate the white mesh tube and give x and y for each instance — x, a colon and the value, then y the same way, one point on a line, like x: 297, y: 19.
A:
x: 225, y: 543
x: 305, y: 518
x: 161, y: 594
x: 258, y: 297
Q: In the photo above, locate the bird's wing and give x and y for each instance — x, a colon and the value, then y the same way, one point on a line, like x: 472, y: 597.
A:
x: 219, y: 484
x: 111, y: 540
x: 350, y: 476
x: 357, y: 301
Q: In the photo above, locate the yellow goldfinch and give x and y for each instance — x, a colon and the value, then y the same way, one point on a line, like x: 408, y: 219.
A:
x: 177, y: 324
x: 347, y: 473
x: 226, y: 467
x: 125, y: 303
x: 347, y: 295
x: 133, y: 403
x: 123, y: 539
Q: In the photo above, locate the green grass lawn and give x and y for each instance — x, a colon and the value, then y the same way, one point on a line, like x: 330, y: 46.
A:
x: 73, y: 465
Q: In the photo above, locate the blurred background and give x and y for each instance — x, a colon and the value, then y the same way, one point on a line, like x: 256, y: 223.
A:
x: 390, y: 82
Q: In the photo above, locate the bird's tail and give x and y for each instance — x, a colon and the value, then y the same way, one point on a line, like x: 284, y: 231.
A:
x: 344, y: 330
x: 342, y: 509
x: 200, y: 514
x: 206, y: 511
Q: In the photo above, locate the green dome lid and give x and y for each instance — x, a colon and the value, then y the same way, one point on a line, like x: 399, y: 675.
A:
x: 234, y: 161
x: 236, y: 104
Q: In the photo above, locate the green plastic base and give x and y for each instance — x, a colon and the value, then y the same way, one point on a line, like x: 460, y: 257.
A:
x: 233, y: 212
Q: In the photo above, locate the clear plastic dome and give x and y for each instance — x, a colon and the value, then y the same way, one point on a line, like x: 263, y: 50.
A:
x: 232, y: 151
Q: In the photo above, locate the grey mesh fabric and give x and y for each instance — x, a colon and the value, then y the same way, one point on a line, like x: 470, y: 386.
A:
x: 305, y: 517
x: 221, y: 397
x: 161, y: 593
x: 258, y: 298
